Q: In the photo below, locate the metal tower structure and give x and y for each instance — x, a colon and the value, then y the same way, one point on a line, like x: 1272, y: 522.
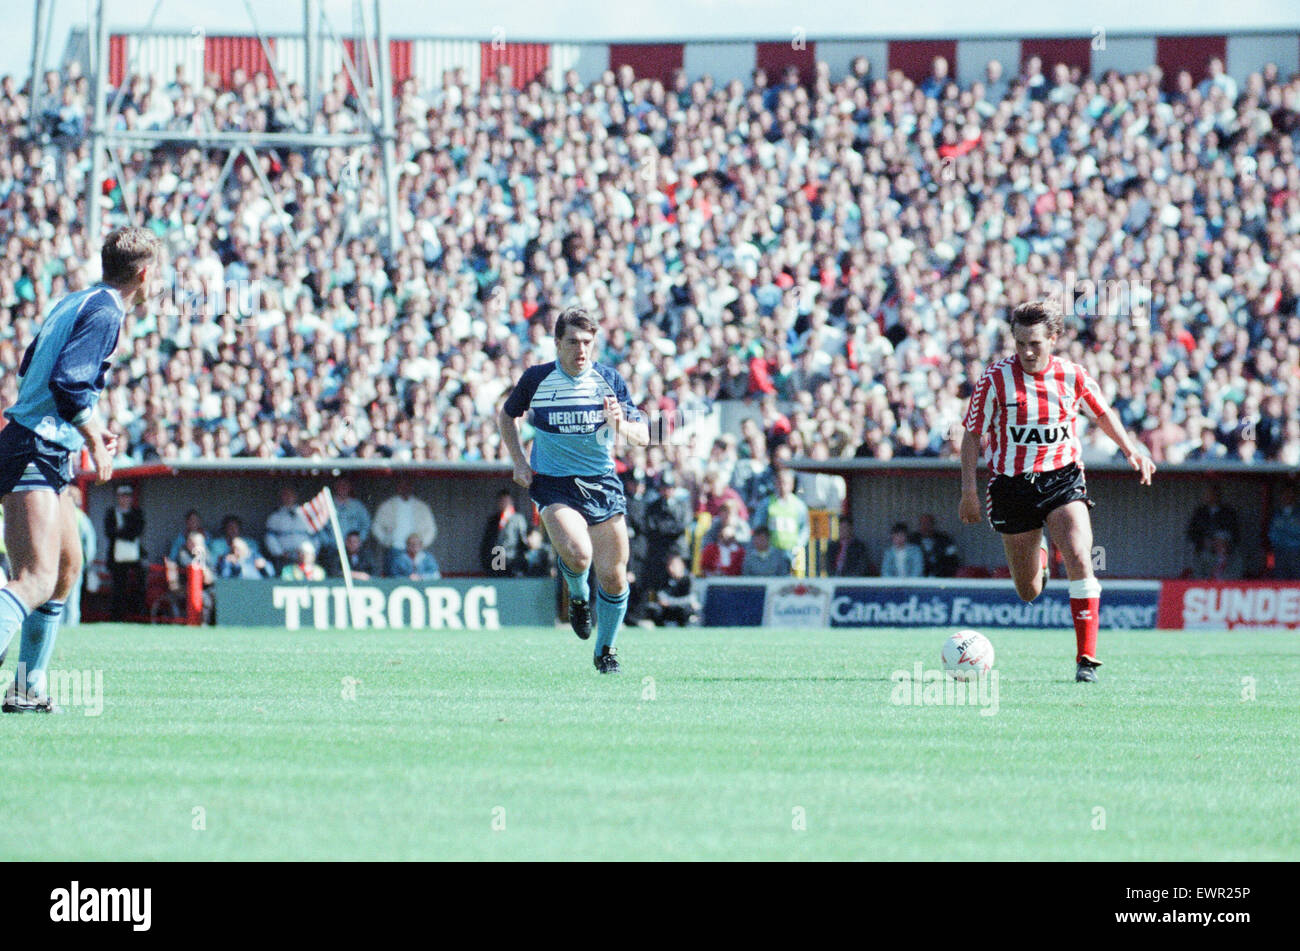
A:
x: 105, y: 139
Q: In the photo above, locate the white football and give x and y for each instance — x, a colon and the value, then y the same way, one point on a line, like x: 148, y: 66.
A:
x: 967, y: 654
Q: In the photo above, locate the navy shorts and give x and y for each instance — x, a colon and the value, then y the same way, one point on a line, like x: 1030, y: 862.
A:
x: 1022, y: 503
x: 29, y: 462
x: 596, y: 498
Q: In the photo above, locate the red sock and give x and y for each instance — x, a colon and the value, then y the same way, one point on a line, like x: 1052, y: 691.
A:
x: 1085, y: 608
x: 1085, y: 625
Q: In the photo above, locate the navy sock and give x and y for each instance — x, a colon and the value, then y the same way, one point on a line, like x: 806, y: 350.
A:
x: 610, y: 610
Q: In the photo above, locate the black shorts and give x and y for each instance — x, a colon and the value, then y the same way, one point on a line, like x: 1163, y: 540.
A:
x: 596, y: 498
x: 1022, y: 503
x: 27, y: 462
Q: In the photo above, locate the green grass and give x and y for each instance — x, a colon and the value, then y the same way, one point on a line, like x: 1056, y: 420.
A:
x: 449, y: 729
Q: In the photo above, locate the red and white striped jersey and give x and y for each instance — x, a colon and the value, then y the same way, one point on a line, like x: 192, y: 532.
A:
x: 1030, y: 421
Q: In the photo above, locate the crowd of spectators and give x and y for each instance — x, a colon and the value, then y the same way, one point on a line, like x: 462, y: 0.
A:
x: 839, y: 250
x: 844, y: 251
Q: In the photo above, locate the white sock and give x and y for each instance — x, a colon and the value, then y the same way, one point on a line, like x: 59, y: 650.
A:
x: 1085, y: 588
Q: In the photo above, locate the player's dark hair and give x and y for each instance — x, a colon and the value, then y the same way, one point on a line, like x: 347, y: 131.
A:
x: 125, y: 251
x: 573, y: 317
x: 1035, y: 312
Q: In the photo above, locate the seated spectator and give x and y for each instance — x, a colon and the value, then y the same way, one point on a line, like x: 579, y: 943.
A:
x: 175, y: 604
x: 287, y: 529
x: 241, y: 562
x: 716, y: 494
x: 730, y: 516
x: 232, y: 527
x: 195, y: 551
x: 938, y: 550
x: 938, y: 80
x: 501, y: 549
x: 398, y: 518
x: 674, y: 602
x: 360, y: 563
x: 539, y: 558
x: 848, y: 557
x: 1219, y: 561
x: 776, y: 425
x: 1284, y: 535
x: 725, y: 556
x: 304, y: 567
x: 902, y: 559
x: 1209, y: 449
x: 785, y: 516
x: 193, y: 523
x: 352, y: 516
x: 415, y: 562
x: 762, y: 560
x: 1212, y: 518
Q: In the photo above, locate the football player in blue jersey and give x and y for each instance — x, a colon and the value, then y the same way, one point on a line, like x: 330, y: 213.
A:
x: 580, y: 411
x: 61, y: 377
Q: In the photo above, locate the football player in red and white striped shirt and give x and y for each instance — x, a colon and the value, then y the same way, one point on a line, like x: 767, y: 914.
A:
x: 1025, y: 409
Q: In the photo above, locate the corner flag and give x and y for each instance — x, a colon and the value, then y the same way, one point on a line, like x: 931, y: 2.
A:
x: 318, y: 512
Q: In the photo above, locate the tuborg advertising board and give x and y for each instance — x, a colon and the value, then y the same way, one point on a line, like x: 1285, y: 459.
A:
x: 450, y: 603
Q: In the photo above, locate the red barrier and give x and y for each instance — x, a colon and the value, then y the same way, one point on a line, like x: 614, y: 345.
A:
x: 193, y: 594
x: 1240, y: 605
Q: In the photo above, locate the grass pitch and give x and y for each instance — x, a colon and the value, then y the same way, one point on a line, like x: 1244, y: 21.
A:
x: 745, y: 744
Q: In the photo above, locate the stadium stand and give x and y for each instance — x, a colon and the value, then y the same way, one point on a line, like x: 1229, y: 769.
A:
x: 846, y: 240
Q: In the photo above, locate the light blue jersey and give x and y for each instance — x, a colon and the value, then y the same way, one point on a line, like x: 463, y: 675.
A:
x: 65, y: 368
x: 568, y: 413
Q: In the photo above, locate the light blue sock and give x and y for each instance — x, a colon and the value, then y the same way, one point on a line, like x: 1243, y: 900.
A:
x: 579, y: 590
x: 12, y: 615
x: 39, y: 631
x: 610, y: 609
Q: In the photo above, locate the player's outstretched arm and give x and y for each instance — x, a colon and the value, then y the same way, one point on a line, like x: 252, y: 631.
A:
x: 969, y: 508
x: 510, y: 436
x: 1111, y: 425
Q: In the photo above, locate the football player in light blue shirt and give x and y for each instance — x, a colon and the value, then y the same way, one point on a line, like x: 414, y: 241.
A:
x: 61, y: 377
x: 580, y: 411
